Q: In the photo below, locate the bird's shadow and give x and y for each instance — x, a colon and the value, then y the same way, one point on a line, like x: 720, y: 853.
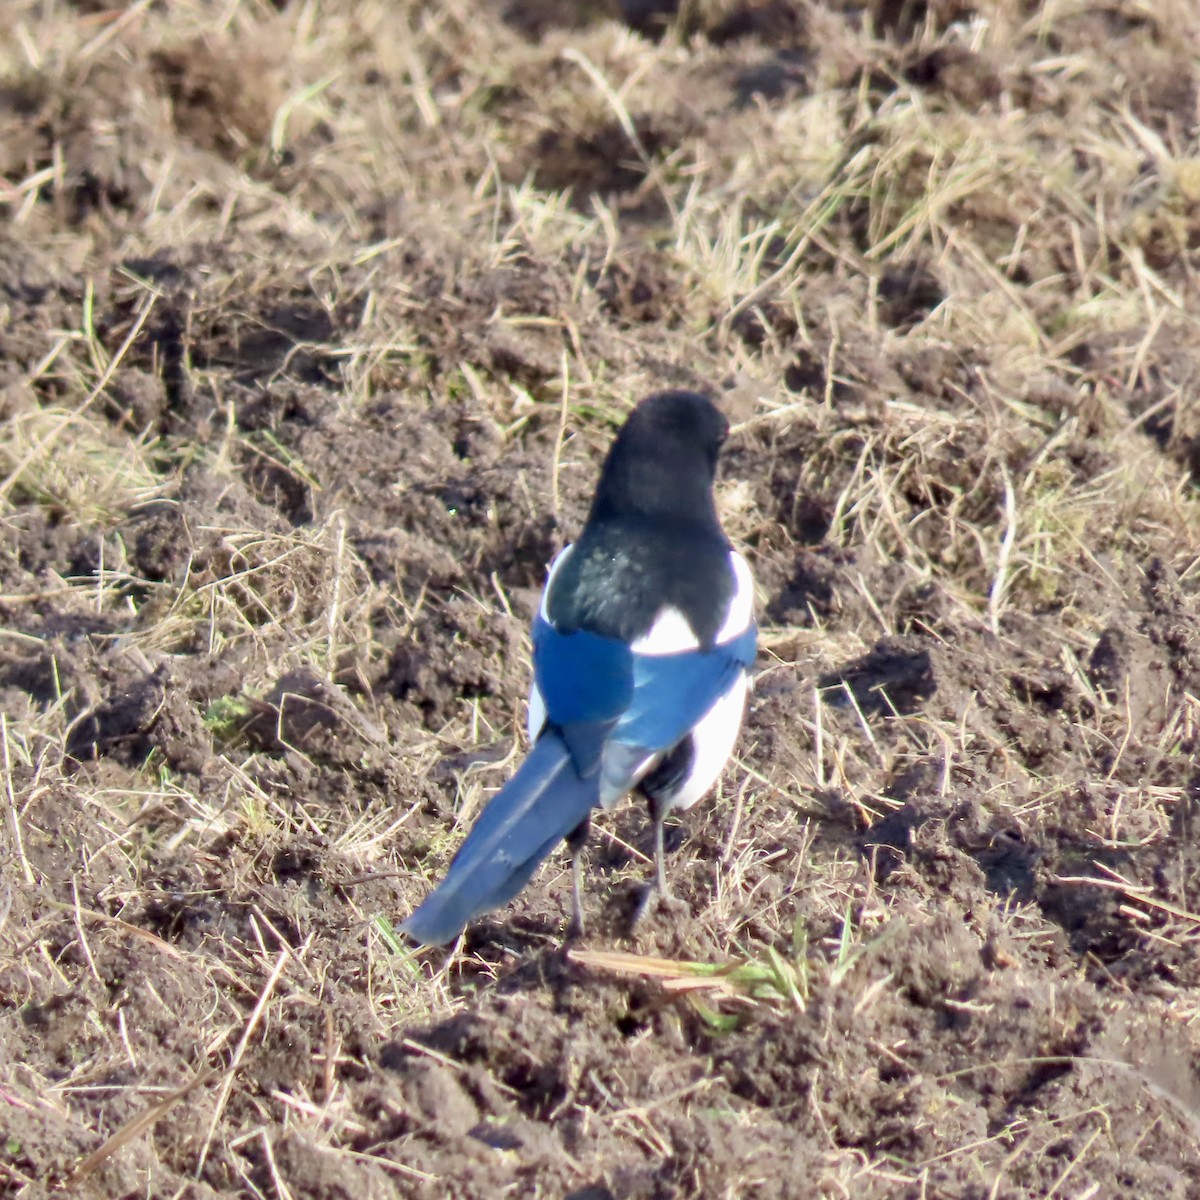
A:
x: 896, y: 676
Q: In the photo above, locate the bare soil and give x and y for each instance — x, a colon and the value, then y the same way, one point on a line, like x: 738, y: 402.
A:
x: 315, y: 322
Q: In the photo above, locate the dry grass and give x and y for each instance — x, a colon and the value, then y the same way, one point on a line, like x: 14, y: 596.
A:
x: 309, y: 315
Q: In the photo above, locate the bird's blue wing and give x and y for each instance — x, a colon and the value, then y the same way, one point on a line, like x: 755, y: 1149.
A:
x: 582, y: 676
x: 587, y: 683
x: 597, y: 689
x: 671, y: 692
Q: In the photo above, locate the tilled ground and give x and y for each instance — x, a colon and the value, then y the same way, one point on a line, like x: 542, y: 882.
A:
x: 315, y: 321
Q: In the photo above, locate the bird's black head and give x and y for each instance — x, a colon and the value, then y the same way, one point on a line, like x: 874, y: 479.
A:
x: 664, y: 460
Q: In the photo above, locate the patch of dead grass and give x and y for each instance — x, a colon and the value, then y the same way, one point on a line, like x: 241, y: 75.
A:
x: 953, y: 321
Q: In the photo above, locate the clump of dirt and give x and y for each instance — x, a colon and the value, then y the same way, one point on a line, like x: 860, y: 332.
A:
x: 224, y: 97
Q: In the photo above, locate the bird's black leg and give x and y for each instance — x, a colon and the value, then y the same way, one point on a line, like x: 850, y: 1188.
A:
x: 659, y: 890
x: 659, y: 787
x: 575, y: 843
x: 658, y: 814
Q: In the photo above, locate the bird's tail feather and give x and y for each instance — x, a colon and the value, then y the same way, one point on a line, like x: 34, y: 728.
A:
x: 542, y: 803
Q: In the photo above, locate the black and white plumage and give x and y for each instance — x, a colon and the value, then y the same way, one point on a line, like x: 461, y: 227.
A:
x: 641, y: 648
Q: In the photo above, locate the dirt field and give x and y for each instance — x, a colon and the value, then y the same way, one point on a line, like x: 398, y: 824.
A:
x: 315, y: 321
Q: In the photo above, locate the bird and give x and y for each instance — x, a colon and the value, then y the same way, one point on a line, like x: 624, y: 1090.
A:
x: 642, y: 645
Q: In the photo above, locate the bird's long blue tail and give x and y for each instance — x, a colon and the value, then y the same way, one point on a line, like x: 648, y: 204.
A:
x: 543, y: 802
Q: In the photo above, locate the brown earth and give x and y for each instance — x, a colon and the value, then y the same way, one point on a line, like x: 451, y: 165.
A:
x: 315, y: 320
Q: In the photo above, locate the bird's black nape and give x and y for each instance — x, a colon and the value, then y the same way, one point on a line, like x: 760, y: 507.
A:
x: 686, y: 417
x: 664, y: 460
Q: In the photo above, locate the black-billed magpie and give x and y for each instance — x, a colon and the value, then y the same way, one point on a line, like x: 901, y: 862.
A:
x: 641, y: 647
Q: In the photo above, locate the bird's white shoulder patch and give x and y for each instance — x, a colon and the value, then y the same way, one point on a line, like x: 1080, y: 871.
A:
x: 535, y: 717
x: 670, y: 634
x: 741, y: 607
x: 555, y: 565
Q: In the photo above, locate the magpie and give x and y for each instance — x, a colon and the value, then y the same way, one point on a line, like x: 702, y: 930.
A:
x: 641, y: 645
